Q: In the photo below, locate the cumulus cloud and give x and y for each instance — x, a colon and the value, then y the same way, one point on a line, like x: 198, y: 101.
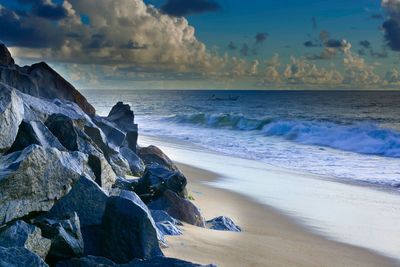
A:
x: 392, y: 25
x: 182, y: 8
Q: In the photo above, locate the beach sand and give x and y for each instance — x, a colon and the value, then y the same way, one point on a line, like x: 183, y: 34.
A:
x: 269, y: 238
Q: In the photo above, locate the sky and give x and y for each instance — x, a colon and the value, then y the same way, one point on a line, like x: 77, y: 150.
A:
x: 209, y: 44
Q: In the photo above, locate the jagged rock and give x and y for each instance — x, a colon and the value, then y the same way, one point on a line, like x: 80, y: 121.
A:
x: 136, y: 165
x: 33, y: 179
x: 178, y: 208
x: 119, y: 164
x: 157, y: 179
x: 11, y: 115
x: 223, y: 223
x: 168, y: 228
x: 162, y: 262
x: 34, y: 133
x: 88, y: 261
x: 114, y: 136
x: 21, y: 234
x: 65, y: 235
x: 152, y: 154
x: 125, y: 184
x: 160, y: 216
x: 5, y: 56
x: 129, y: 231
x: 19, y: 257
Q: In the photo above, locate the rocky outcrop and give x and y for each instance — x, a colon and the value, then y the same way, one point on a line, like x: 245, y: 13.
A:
x: 33, y: 179
x: 223, y: 223
x: 18, y: 256
x: 129, y: 231
x: 5, y: 56
x: 11, y: 115
x: 179, y: 208
x: 136, y: 164
x: 153, y: 155
x: 21, y: 234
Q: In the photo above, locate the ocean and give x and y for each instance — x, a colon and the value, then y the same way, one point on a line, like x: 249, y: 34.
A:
x: 348, y: 136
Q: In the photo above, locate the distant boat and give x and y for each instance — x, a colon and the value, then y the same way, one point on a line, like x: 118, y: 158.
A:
x: 230, y: 98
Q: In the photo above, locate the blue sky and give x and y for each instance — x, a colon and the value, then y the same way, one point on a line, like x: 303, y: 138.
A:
x: 346, y: 42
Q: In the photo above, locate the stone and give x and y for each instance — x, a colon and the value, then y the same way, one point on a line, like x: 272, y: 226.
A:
x: 5, y: 56
x: 160, y: 216
x: 11, y: 115
x: 157, y: 179
x: 179, y: 208
x: 153, y: 155
x: 34, y: 132
x: 19, y: 257
x: 168, y: 228
x: 122, y: 115
x: 223, y: 223
x: 21, y: 234
x: 125, y: 184
x: 88, y: 261
x: 114, y: 136
x: 129, y: 231
x: 65, y: 235
x: 136, y: 165
x: 162, y: 262
x: 33, y: 179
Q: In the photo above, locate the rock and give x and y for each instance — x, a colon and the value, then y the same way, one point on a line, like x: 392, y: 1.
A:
x: 223, y: 223
x: 5, y: 56
x: 21, y: 234
x: 136, y: 165
x: 114, y: 136
x: 88, y: 261
x: 11, y: 115
x: 125, y: 184
x: 119, y: 164
x: 163, y: 261
x: 168, y: 228
x: 153, y: 154
x: 129, y: 231
x: 178, y: 208
x: 19, y: 257
x: 157, y: 179
x: 34, y: 133
x: 33, y: 179
x: 160, y: 216
x: 65, y: 235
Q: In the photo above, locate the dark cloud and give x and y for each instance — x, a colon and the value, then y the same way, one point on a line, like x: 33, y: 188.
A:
x: 392, y: 34
x: 366, y: 44
x: 232, y: 46
x: 46, y: 9
x: 261, y: 37
x: 311, y: 44
x: 135, y: 45
x: 181, y: 8
x: 333, y: 43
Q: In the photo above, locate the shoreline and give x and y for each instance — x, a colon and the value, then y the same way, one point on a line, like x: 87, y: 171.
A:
x: 270, y: 237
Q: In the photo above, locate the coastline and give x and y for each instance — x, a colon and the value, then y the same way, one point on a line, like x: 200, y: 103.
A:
x: 273, y: 239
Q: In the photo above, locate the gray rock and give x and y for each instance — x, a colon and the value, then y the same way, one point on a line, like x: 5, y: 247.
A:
x: 33, y: 179
x: 223, y: 223
x: 125, y: 184
x: 65, y: 235
x: 179, y: 208
x: 19, y: 257
x: 11, y: 115
x: 129, y: 231
x: 114, y: 136
x: 160, y: 216
x: 152, y: 154
x: 88, y: 261
x: 168, y: 228
x: 163, y: 262
x: 21, y: 234
x: 157, y: 179
x: 136, y: 165
x: 34, y: 133
x: 5, y: 56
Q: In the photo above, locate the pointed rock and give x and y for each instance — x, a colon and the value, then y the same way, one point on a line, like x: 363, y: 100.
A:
x: 5, y: 56
x: 17, y: 256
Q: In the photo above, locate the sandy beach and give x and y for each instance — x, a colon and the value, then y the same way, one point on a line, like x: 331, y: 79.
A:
x: 268, y: 238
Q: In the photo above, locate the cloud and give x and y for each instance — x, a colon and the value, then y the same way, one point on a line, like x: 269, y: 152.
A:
x: 232, y: 46
x: 391, y: 26
x: 182, y: 8
x: 245, y: 50
x: 261, y: 37
x: 311, y: 44
x: 366, y: 44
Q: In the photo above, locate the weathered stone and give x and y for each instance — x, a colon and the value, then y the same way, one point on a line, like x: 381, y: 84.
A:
x: 19, y: 257
x: 178, y: 208
x: 33, y: 179
x: 129, y: 231
x: 5, y: 56
x: 65, y: 235
x: 34, y: 133
x: 223, y: 223
x: 88, y: 261
x: 168, y: 228
x: 114, y: 136
x: 157, y: 179
x: 21, y: 234
x: 136, y: 165
x: 11, y: 115
x: 125, y: 184
x: 163, y: 261
x: 153, y: 155
x: 160, y: 216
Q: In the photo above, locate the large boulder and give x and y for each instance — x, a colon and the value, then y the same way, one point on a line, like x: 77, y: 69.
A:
x: 157, y: 179
x: 179, y: 208
x: 114, y: 136
x: 65, y: 235
x: 153, y: 155
x: 32, y: 180
x: 136, y: 165
x: 19, y: 257
x: 34, y: 133
x: 21, y: 234
x: 223, y: 223
x: 5, y: 56
x: 129, y: 231
x: 11, y: 115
